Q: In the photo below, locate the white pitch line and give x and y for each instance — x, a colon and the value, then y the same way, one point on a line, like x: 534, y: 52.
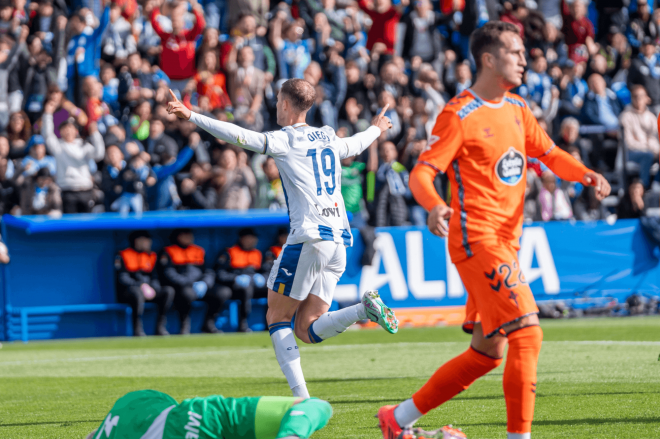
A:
x: 132, y: 357
x: 230, y: 351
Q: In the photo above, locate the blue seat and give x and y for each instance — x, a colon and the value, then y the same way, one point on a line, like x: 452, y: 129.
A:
x: 47, y: 322
x: 115, y: 319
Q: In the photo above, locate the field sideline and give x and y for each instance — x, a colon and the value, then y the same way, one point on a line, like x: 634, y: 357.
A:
x: 598, y: 378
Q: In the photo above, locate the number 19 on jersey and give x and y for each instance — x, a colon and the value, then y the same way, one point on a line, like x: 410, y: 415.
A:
x: 328, y: 170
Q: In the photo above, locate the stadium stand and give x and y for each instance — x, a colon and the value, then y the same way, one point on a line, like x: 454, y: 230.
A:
x: 84, y: 87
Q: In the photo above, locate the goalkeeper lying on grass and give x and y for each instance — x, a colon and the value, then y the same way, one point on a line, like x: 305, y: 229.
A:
x: 148, y: 414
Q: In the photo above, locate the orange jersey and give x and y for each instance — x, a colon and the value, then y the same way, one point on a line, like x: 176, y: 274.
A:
x: 483, y: 148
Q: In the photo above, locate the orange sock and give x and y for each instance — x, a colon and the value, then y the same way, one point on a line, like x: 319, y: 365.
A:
x: 452, y: 378
x: 519, y: 380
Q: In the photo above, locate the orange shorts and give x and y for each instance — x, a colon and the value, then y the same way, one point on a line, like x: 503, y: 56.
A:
x: 498, y: 293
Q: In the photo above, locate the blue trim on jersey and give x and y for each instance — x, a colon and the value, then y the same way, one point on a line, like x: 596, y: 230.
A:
x: 326, y: 233
x: 469, y: 108
x: 272, y: 329
x: 346, y: 235
x: 461, y: 202
x: 286, y: 198
x: 514, y: 101
x: 430, y: 165
x: 287, y: 269
x: 548, y: 151
x: 312, y: 335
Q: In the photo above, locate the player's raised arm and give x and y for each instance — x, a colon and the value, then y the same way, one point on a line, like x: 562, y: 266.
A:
x: 228, y: 132
x: 361, y: 141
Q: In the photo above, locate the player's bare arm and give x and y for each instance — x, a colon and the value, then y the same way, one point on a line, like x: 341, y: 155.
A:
x: 228, y: 132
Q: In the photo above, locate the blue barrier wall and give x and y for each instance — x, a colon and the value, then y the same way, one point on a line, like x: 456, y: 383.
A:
x: 70, y: 261
x: 561, y: 261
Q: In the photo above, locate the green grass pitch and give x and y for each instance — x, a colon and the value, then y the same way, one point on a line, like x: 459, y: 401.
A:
x: 598, y: 378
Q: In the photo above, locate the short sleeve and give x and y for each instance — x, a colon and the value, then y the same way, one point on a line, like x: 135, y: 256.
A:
x: 537, y: 141
x: 277, y: 143
x: 445, y: 142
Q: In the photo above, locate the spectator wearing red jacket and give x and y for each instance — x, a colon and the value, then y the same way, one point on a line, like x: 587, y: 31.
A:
x: 578, y: 31
x: 385, y: 18
x: 178, y: 57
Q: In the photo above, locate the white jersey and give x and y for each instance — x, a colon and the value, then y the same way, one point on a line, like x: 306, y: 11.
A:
x: 309, y: 162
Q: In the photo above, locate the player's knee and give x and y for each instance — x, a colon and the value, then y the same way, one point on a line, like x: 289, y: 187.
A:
x: 494, y: 353
x: 302, y: 334
x: 492, y: 347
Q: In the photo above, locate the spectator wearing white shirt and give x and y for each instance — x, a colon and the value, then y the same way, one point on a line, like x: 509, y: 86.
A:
x: 640, y: 132
x: 73, y: 156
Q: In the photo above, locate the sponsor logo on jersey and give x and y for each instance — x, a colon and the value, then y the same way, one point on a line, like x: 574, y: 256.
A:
x: 432, y: 139
x: 286, y: 272
x: 192, y: 427
x: 509, y: 168
x: 328, y: 211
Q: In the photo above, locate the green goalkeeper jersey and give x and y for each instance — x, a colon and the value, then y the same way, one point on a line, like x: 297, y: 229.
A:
x: 148, y: 414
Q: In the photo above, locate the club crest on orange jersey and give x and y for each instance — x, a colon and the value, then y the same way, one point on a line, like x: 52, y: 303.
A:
x: 510, y: 167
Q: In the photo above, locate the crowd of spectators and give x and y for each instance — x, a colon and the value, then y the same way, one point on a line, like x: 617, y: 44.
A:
x: 84, y: 88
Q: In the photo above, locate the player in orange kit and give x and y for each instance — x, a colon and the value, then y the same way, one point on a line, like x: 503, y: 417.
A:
x: 482, y: 140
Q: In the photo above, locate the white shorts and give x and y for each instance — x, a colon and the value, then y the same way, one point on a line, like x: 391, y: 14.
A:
x: 312, y: 267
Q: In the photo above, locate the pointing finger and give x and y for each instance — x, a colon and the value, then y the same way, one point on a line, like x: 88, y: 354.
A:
x: 173, y: 96
x: 382, y: 113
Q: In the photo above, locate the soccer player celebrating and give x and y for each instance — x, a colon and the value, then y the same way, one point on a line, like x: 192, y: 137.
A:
x: 148, y: 414
x: 303, y: 278
x: 482, y: 139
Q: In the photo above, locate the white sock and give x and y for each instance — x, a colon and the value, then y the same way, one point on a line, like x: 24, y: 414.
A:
x: 406, y: 414
x: 335, y: 322
x: 518, y: 435
x: 288, y: 356
x: 300, y: 391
